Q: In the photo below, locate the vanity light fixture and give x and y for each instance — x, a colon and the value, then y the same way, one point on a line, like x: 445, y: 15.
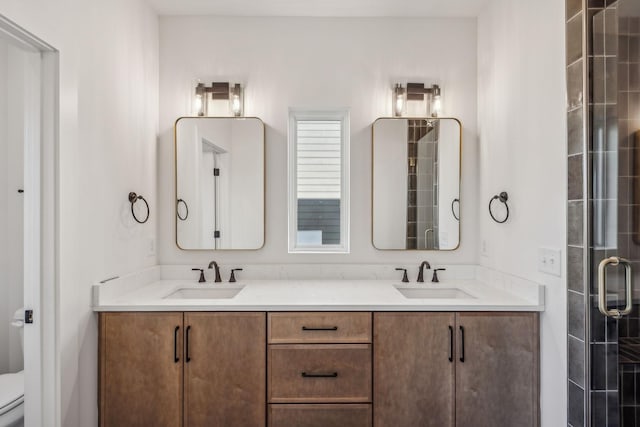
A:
x: 219, y: 99
x: 399, y: 97
x: 416, y: 100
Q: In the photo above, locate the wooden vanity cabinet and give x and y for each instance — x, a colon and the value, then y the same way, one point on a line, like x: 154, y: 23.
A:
x: 152, y: 365
x: 463, y: 369
x: 140, y: 358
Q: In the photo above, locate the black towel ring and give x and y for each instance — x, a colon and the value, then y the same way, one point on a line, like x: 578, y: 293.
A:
x: 133, y: 198
x: 502, y: 197
x: 186, y: 207
x: 453, y: 210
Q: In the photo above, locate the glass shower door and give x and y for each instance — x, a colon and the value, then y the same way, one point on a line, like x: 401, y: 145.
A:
x: 615, y: 215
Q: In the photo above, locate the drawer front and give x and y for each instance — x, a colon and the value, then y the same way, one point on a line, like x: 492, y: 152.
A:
x: 320, y: 327
x: 301, y: 415
x: 320, y: 373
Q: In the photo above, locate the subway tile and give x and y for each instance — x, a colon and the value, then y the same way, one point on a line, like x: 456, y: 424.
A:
x: 598, y: 366
x: 613, y: 409
x: 623, y: 48
x: 634, y: 77
x: 598, y: 328
x: 575, y: 267
x: 574, y: 39
x: 598, y: 409
x: 611, y: 31
x: 575, y: 304
x: 598, y: 78
x: 575, y: 131
x: 623, y: 25
x: 576, y: 361
x: 574, y: 85
x: 576, y: 405
x: 611, y: 80
x: 575, y: 177
x: 597, y: 34
x: 575, y: 223
x: 612, y: 366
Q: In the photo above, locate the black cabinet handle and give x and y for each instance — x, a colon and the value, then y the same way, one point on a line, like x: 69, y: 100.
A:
x: 176, y: 359
x: 462, y: 344
x: 320, y: 375
x: 320, y: 328
x: 186, y: 337
x: 450, y: 343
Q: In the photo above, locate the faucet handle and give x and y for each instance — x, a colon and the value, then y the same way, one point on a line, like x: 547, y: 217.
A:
x: 232, y: 279
x: 435, y: 279
x: 405, y: 279
x: 202, y: 279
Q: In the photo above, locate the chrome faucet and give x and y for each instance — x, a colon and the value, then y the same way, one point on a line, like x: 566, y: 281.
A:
x: 213, y: 264
x: 421, y: 271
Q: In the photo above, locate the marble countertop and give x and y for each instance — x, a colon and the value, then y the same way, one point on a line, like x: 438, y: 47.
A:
x: 313, y: 295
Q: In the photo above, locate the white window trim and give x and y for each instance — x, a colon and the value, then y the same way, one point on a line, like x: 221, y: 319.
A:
x: 341, y: 115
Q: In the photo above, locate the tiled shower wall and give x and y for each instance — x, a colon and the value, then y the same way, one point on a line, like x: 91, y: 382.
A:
x: 576, y: 253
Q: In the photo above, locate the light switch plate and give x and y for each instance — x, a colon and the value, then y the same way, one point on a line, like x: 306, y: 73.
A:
x: 550, y: 261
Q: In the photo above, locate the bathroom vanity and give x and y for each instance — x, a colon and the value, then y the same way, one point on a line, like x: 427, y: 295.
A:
x: 466, y: 359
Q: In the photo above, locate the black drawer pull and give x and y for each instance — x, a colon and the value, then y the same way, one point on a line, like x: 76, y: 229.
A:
x: 176, y: 359
x: 320, y: 328
x: 320, y: 375
x: 450, y: 343
x: 186, y: 356
x: 461, y: 344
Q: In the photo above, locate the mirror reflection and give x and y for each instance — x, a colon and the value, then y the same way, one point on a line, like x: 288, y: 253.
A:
x: 219, y: 183
x: 416, y: 183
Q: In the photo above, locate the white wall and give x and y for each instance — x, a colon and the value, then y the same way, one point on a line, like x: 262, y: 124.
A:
x: 521, y: 116
x: 316, y: 63
x: 108, y: 126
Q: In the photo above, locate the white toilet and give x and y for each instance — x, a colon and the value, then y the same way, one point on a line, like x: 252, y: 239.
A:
x: 12, y: 386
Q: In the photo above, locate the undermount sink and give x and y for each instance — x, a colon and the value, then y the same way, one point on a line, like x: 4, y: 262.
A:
x: 205, y: 293
x: 438, y: 293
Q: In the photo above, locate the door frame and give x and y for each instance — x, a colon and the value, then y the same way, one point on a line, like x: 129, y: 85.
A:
x: 41, y: 272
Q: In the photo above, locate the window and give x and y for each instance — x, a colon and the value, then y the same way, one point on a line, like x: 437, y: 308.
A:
x: 318, y: 181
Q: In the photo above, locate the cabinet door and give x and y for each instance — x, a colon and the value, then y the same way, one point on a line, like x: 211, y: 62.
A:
x: 140, y: 369
x: 225, y: 372
x: 413, y: 374
x: 497, y: 380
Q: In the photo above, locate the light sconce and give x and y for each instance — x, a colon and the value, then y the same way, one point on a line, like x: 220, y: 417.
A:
x: 219, y: 99
x: 399, y: 99
x: 417, y: 100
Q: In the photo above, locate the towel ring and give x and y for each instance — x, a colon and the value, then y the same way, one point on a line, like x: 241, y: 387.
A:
x: 453, y: 210
x: 186, y: 207
x: 133, y: 198
x: 502, y: 197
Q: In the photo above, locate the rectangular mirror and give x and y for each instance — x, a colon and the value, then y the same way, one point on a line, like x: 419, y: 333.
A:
x: 220, y: 178
x: 416, y: 183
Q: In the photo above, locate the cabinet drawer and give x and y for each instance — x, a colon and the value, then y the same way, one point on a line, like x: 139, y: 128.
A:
x: 304, y: 415
x: 320, y: 373
x: 320, y: 327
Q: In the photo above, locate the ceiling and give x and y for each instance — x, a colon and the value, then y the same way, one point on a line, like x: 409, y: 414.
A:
x: 336, y: 8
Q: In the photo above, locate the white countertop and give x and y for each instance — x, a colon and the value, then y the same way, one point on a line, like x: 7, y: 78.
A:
x: 316, y: 295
